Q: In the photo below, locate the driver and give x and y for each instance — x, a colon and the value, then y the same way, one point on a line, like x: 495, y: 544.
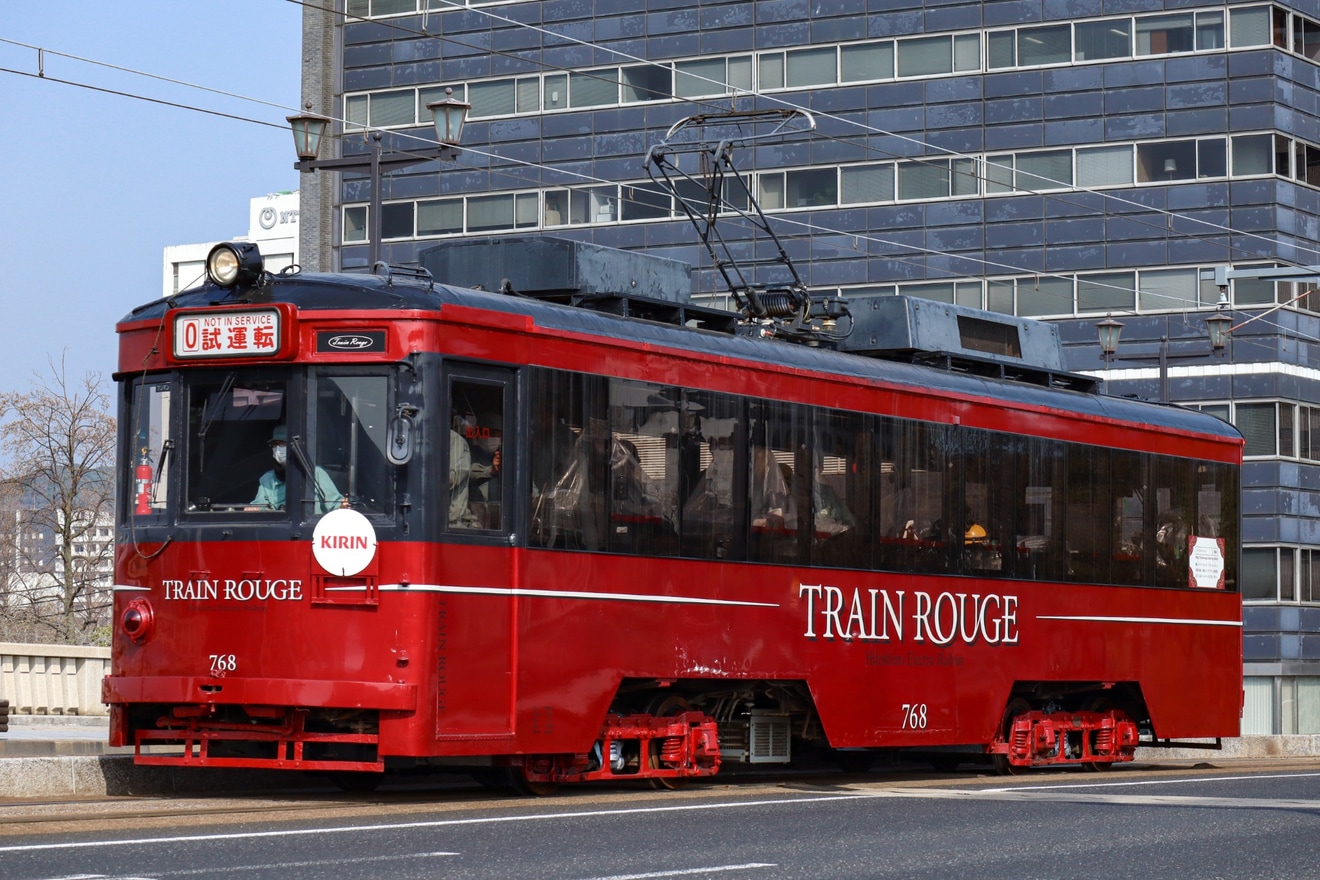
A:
x: 270, y: 486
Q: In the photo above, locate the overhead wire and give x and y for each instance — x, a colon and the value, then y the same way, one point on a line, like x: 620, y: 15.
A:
x: 717, y: 104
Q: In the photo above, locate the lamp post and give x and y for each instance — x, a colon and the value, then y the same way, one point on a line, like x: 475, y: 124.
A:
x: 1218, y: 326
x: 309, y: 129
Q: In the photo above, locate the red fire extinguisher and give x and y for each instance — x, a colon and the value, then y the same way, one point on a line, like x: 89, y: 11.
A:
x: 142, y: 477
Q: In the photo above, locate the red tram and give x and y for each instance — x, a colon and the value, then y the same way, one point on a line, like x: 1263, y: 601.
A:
x: 374, y: 521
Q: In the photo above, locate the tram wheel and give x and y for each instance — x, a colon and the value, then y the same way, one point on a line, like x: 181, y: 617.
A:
x: 1098, y: 703
x: 521, y: 785
x: 663, y: 707
x: 1016, y: 706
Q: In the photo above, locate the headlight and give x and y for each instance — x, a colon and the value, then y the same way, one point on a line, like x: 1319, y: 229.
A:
x: 137, y: 621
x: 234, y: 262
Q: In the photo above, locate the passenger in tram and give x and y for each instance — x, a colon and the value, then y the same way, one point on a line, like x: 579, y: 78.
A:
x: 772, y: 504
x: 487, y: 449
x: 1171, y: 549
x: 270, y: 485
x: 460, y: 472
x: 711, y: 499
x: 627, y: 477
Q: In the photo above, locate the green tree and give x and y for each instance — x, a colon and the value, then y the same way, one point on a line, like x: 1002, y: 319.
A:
x: 57, y: 445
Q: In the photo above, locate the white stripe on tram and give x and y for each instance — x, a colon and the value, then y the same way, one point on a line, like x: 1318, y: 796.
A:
x: 1096, y: 618
x: 566, y: 594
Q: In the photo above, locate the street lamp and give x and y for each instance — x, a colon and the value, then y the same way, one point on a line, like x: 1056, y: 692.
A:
x: 1217, y: 327
x: 309, y: 129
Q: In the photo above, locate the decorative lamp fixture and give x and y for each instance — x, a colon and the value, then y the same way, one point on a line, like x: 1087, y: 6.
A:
x: 449, y: 116
x: 308, y: 129
x: 1109, y: 331
x: 1219, y: 326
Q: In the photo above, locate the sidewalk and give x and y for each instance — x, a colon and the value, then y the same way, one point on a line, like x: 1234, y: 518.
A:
x: 47, y: 735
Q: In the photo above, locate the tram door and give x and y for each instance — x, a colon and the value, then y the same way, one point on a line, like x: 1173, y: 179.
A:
x: 478, y: 610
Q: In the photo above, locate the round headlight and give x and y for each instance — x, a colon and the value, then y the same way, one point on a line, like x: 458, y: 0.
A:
x: 234, y: 263
x: 137, y: 621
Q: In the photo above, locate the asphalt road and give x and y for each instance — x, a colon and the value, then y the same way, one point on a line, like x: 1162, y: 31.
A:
x: 1233, y: 822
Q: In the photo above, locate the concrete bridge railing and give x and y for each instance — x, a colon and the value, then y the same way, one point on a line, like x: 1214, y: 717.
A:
x: 52, y: 679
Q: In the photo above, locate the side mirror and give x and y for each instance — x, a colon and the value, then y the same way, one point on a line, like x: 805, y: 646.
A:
x: 402, y: 434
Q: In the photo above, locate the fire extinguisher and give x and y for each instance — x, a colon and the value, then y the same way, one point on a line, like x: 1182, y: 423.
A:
x: 142, y: 477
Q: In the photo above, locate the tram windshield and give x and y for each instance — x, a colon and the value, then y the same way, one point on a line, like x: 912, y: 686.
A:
x: 255, y: 444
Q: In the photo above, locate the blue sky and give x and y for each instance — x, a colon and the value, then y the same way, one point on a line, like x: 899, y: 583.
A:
x: 97, y: 185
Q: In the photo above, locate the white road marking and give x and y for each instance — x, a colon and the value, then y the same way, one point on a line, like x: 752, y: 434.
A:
x: 1054, y: 795
x: 439, y: 823
x: 1179, y: 781
x: 688, y: 871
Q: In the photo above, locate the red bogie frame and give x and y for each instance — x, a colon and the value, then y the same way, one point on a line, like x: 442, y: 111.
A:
x: 512, y: 656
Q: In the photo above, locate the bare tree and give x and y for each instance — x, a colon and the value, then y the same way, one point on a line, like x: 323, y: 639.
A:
x: 58, y: 444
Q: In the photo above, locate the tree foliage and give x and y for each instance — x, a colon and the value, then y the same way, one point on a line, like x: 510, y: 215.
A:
x: 57, y: 493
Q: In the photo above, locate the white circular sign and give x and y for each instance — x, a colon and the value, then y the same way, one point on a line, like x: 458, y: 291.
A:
x: 344, y: 542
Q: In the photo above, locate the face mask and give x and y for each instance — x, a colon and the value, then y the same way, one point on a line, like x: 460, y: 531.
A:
x: 281, y: 454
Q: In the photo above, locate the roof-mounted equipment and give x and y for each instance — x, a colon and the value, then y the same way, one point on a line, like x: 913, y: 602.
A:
x: 694, y: 163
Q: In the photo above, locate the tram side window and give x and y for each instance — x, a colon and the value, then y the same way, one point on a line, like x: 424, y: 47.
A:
x: 643, y: 469
x: 232, y: 421
x: 778, y: 484
x: 1217, y: 514
x: 1174, y: 518
x: 713, y: 473
x: 150, y: 447
x: 476, y: 463
x: 1040, y: 551
x: 351, y: 418
x: 984, y: 523
x: 913, y: 465
x: 1128, y: 509
x: 569, y: 448
x: 840, y: 500
x: 1089, y: 521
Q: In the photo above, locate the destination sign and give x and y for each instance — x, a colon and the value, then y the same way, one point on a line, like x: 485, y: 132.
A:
x: 248, y: 333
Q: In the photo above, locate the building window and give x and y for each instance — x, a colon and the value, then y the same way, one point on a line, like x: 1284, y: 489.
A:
x: 1249, y: 27
x: 396, y: 220
x: 355, y: 224
x: 1045, y: 171
x: 1163, y: 34
x: 1259, y: 424
x: 812, y: 67
x: 1098, y: 40
x: 868, y: 183
x: 1166, y: 160
x: 1051, y: 44
x: 1260, y: 574
x: 1045, y: 296
x: 440, y: 217
x: 925, y: 56
x: 646, y: 82
x: 1106, y: 291
x: 1169, y: 289
x: 868, y: 61
x: 1258, y: 705
x: 1253, y: 154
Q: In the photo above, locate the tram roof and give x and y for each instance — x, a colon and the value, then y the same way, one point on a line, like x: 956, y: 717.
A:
x: 323, y: 291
